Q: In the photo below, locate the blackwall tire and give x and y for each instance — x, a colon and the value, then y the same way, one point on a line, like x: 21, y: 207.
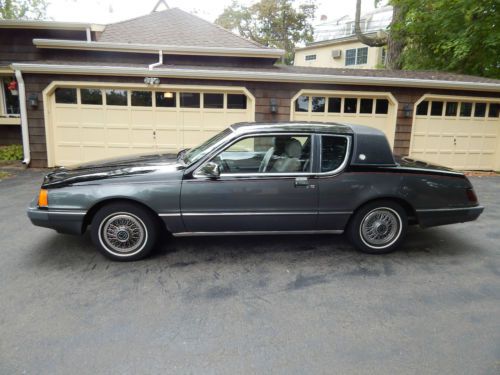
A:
x: 124, y: 231
x: 378, y: 227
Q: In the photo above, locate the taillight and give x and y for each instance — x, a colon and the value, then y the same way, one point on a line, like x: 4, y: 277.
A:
x: 43, y: 198
x: 471, y: 195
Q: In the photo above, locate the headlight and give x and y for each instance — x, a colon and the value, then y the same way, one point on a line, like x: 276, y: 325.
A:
x: 43, y: 198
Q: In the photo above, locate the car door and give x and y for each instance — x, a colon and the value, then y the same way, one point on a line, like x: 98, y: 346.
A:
x: 336, y: 190
x: 265, y: 184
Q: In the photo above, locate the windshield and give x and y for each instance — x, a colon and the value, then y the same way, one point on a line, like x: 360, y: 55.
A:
x: 197, y: 153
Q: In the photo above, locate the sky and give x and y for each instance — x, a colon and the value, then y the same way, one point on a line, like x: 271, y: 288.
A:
x: 109, y: 11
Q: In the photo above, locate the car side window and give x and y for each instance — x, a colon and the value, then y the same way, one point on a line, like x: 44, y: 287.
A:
x: 267, y: 154
x: 333, y: 151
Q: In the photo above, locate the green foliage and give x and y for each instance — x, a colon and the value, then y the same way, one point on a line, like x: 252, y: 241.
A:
x: 23, y: 9
x: 273, y: 23
x: 461, y: 36
x: 12, y: 152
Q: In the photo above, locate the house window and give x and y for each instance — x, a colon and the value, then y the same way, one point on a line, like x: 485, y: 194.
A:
x: 142, y: 99
x: 190, y: 100
x: 451, y: 109
x: 350, y: 105
x: 465, y: 109
x: 9, y: 103
x: 91, y: 96
x: 366, y: 105
x: 382, y: 107
x: 166, y: 99
x: 302, y: 104
x: 116, y: 97
x: 362, y: 57
x: 334, y: 105
x: 310, y: 57
x: 423, y: 108
x: 318, y: 104
x: 480, y: 110
x: 356, y: 56
x: 65, y: 96
x: 436, y: 108
x: 350, y: 57
x: 213, y: 100
x: 236, y: 101
x: 494, y: 110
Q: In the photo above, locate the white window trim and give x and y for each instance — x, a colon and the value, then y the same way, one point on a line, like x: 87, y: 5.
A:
x: 356, y: 54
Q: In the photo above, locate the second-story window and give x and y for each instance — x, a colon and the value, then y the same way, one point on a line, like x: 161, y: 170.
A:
x: 356, y: 56
x: 310, y: 57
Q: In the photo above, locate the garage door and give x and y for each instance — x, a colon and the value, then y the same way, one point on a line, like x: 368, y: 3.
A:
x: 458, y: 132
x: 92, y: 122
x: 378, y: 110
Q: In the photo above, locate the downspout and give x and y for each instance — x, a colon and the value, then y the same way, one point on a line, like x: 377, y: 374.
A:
x: 24, y: 118
x: 160, y: 61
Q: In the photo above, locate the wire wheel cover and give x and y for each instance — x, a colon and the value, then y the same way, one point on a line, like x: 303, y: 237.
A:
x: 123, y: 233
x: 380, y: 227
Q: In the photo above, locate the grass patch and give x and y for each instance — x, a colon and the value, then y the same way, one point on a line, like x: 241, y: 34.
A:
x: 4, y: 175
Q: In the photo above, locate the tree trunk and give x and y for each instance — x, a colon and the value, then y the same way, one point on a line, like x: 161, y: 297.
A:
x: 395, y: 42
x: 369, y: 41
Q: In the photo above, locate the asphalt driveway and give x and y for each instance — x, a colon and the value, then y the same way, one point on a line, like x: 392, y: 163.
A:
x: 285, y: 305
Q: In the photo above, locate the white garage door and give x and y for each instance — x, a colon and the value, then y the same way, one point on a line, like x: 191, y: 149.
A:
x: 92, y: 122
x: 378, y: 110
x: 458, y: 132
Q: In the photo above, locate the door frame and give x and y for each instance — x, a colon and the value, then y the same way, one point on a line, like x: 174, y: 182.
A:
x: 47, y: 95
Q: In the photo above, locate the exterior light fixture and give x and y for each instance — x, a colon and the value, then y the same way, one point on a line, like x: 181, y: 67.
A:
x: 151, y: 81
x: 33, y: 100
x: 407, y: 111
x: 168, y: 95
x: 274, y: 105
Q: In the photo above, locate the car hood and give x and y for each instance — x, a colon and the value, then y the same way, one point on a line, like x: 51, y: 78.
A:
x: 130, y: 166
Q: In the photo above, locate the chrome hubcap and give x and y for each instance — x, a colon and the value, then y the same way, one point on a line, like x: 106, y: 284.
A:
x: 123, y: 233
x: 380, y: 227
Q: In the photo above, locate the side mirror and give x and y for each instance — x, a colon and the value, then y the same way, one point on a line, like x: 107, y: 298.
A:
x: 211, y: 170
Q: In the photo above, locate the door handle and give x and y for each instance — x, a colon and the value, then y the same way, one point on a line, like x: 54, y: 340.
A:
x: 303, y: 182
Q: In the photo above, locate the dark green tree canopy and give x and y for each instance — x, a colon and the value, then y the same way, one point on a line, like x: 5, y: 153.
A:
x: 273, y: 23
x: 23, y: 9
x: 461, y: 36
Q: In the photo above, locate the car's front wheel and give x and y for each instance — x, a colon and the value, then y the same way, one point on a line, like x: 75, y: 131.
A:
x: 124, y: 231
x: 378, y: 227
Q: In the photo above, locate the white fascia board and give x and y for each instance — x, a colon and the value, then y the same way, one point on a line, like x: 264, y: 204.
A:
x: 262, y: 76
x: 154, y: 48
x: 49, y: 25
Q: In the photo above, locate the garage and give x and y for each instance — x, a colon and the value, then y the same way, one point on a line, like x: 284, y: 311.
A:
x: 93, y: 121
x: 375, y: 109
x: 458, y: 132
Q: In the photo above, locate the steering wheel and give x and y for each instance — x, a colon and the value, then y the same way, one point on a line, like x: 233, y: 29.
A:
x: 265, y: 161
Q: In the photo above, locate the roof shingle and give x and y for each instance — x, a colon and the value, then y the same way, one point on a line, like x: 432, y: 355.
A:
x: 173, y: 27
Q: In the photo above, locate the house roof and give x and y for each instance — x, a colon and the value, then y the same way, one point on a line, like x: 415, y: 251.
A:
x: 176, y: 28
x: 49, y: 25
x: 275, y: 73
x: 332, y: 42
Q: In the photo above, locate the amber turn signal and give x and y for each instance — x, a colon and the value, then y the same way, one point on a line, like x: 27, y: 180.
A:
x: 43, y: 198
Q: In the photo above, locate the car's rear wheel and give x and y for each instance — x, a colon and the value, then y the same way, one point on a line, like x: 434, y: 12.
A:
x: 378, y: 227
x: 124, y: 231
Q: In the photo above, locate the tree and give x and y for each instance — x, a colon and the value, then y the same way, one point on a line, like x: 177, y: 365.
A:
x: 23, y: 9
x: 460, y: 36
x: 273, y: 23
x: 394, y: 39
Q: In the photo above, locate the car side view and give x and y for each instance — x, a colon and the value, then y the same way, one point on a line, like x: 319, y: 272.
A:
x: 257, y: 178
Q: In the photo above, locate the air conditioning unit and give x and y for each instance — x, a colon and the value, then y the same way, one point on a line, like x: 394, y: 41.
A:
x: 336, y: 53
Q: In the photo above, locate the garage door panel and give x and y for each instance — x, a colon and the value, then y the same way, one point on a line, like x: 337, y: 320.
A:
x: 472, y: 142
x: 90, y: 132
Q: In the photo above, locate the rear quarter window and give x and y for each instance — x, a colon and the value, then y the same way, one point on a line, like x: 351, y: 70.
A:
x: 333, y: 152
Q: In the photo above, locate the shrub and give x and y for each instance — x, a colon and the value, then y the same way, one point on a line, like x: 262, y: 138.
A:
x: 12, y: 152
